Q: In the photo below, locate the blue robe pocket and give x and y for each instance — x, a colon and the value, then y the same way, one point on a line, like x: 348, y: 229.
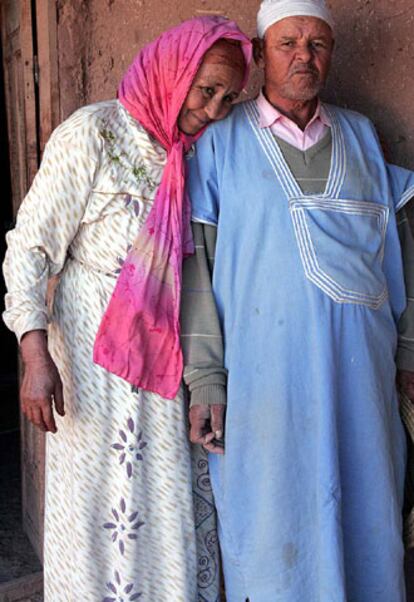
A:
x: 341, y: 245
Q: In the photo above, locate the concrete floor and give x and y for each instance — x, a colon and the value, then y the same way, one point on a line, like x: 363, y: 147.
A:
x: 17, y: 557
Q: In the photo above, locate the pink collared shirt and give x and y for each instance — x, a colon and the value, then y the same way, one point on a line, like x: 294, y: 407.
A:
x: 285, y: 128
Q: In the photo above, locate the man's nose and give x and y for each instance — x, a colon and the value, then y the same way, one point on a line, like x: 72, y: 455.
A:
x: 304, y: 53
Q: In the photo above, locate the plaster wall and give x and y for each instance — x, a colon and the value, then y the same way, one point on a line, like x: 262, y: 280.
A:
x: 373, y: 68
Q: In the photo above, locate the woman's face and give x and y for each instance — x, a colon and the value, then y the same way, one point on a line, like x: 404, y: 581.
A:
x: 216, y: 86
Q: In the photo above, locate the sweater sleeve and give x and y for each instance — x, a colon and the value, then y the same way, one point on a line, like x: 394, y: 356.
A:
x: 201, y: 336
x: 405, y: 350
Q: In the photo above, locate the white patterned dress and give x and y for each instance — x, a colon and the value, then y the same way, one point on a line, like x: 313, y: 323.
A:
x: 127, y: 516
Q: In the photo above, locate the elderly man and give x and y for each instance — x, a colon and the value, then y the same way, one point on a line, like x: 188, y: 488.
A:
x: 307, y: 290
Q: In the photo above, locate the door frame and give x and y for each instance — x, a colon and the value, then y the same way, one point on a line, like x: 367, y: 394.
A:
x: 29, y: 35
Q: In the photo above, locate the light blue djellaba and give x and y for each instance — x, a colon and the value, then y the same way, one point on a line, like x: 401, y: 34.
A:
x: 309, y: 291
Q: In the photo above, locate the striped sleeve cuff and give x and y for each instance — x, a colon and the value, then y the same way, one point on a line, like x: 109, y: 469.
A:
x: 208, y: 395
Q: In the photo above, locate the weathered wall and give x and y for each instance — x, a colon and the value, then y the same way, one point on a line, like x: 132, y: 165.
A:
x: 373, y: 70
x: 99, y: 38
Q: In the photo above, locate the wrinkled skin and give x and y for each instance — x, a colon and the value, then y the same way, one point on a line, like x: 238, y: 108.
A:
x: 296, y: 56
x: 206, y: 427
x: 216, y: 86
x: 41, y: 391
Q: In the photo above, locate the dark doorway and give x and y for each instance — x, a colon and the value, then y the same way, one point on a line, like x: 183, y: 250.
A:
x: 9, y: 414
x: 17, y: 558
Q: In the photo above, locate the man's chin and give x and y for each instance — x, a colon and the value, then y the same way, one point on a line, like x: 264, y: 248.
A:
x: 302, y: 93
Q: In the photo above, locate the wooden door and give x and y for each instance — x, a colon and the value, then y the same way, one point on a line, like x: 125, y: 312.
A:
x: 32, y: 105
x: 18, y: 57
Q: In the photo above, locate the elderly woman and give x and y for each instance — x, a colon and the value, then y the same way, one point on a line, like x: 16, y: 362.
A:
x: 108, y: 212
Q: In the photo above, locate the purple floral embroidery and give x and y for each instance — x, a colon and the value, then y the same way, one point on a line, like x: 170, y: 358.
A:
x: 121, y: 260
x: 121, y: 591
x: 123, y: 526
x: 130, y: 446
x: 133, y: 202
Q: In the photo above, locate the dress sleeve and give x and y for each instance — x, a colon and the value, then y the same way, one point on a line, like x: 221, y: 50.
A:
x: 201, y: 336
x: 47, y: 222
x: 405, y: 350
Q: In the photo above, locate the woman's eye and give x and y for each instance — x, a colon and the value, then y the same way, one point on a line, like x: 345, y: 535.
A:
x: 288, y: 44
x: 207, y: 91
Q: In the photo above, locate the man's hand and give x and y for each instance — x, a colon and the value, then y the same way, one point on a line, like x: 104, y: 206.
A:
x: 41, y: 385
x: 405, y: 382
x: 207, y: 426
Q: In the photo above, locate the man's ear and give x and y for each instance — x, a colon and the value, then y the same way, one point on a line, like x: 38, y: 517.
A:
x: 258, y: 52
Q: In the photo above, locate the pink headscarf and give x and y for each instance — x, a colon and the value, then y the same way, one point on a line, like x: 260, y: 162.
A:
x: 139, y: 336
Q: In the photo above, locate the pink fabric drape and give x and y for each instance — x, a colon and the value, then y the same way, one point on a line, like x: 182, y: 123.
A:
x: 139, y: 336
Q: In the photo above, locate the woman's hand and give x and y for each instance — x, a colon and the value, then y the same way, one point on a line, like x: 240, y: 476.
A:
x: 207, y: 426
x: 41, y: 385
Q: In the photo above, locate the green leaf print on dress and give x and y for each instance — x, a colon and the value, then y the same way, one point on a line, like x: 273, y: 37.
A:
x: 139, y: 172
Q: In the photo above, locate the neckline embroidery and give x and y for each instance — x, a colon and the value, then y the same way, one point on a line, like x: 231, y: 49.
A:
x: 282, y: 170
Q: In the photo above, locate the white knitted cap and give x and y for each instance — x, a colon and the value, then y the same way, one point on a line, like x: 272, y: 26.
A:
x: 272, y: 11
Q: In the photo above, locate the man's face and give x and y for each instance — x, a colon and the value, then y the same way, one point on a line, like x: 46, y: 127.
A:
x: 296, y: 55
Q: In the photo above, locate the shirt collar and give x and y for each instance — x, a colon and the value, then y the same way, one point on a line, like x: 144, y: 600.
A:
x: 268, y: 114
